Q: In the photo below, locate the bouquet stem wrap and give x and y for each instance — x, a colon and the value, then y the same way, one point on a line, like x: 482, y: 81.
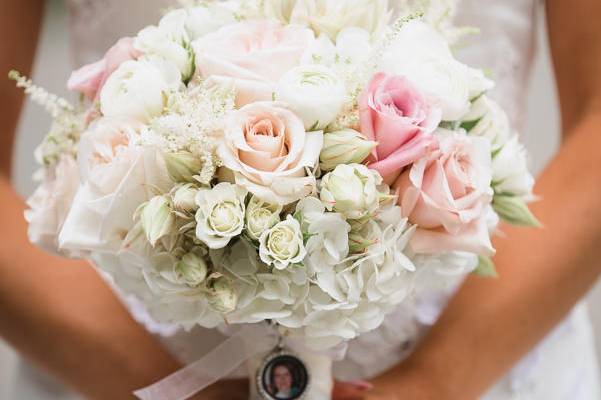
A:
x: 248, y: 345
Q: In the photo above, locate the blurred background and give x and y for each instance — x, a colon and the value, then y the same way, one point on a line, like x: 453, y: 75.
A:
x: 53, y: 66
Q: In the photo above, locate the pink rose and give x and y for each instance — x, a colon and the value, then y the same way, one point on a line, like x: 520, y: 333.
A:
x: 447, y: 196
x: 395, y: 114
x: 256, y: 54
x: 90, y: 78
x: 268, y: 150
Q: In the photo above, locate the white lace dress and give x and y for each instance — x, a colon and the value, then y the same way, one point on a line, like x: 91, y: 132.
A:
x: 562, y: 367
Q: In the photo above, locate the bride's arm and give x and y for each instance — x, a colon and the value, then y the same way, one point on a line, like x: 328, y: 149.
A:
x: 491, y: 324
x: 59, y: 313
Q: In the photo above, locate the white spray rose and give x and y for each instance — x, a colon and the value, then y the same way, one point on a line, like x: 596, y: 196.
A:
x: 220, y: 215
x: 352, y: 190
x: 138, y: 89
x: 314, y: 92
x: 422, y: 55
x: 223, y: 297
x: 169, y: 41
x: 282, y: 245
x: 487, y: 119
x: 344, y: 147
x: 510, y: 170
x: 260, y: 216
x: 157, y: 219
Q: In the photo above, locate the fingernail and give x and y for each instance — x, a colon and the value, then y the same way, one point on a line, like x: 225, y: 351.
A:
x: 362, y: 385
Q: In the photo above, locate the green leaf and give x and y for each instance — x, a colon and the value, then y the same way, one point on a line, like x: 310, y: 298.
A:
x: 469, y: 125
x: 486, y: 268
x: 515, y: 211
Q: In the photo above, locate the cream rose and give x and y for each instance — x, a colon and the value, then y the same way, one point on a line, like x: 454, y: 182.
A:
x: 138, y: 89
x: 447, y: 196
x: 260, y: 216
x: 253, y: 55
x: 314, y: 92
x: 267, y: 148
x: 117, y: 176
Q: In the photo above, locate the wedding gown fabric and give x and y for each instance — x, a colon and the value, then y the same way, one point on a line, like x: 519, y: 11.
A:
x: 563, y: 366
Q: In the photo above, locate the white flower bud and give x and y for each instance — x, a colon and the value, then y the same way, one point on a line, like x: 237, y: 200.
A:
x: 344, y: 147
x: 157, y: 219
x: 192, y: 269
x: 260, y: 217
x: 314, y: 92
x: 184, y: 198
x: 223, y: 297
x: 351, y: 190
x: 283, y: 244
x: 182, y: 166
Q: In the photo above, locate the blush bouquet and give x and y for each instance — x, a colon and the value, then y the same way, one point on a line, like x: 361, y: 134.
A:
x: 287, y: 164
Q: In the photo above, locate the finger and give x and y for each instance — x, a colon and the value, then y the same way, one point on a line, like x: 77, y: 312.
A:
x: 354, y: 390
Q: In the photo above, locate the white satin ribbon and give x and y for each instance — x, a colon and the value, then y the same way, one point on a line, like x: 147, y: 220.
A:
x: 247, y: 342
x: 217, y: 364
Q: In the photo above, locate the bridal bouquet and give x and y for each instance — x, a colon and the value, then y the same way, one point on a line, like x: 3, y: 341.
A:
x: 294, y: 161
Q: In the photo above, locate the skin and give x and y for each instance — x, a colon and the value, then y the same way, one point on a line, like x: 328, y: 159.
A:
x: 487, y: 327
x: 282, y: 378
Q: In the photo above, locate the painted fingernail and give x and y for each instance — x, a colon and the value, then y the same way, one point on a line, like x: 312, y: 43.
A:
x: 362, y: 385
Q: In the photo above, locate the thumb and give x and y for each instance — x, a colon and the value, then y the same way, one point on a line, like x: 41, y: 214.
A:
x: 352, y: 390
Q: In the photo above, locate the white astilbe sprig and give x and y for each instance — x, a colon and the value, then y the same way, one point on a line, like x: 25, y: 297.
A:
x: 194, y: 121
x: 67, y: 124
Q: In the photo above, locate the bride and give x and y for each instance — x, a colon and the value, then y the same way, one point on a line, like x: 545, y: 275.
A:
x: 483, y: 344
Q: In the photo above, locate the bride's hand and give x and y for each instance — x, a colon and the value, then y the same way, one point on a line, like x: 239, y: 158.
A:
x: 355, y: 390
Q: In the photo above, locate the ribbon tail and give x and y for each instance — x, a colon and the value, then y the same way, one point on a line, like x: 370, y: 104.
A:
x: 217, y: 364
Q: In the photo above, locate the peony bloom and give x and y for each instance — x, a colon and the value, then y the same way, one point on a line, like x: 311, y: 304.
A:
x: 50, y: 203
x: 314, y: 92
x: 89, y: 79
x: 394, y: 114
x: 267, y: 148
x: 138, y: 89
x: 117, y: 176
x: 254, y: 55
x: 447, y: 196
x: 422, y: 55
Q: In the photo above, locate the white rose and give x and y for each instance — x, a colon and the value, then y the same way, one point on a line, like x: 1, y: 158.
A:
x: 117, y: 176
x: 260, y: 216
x: 50, y: 204
x: 138, y: 89
x: 314, y: 92
x: 510, y: 170
x: 169, y: 41
x: 328, y: 242
x: 352, y: 190
x: 209, y: 17
x: 220, y: 214
x: 282, y: 245
x: 422, y: 55
x: 487, y: 119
